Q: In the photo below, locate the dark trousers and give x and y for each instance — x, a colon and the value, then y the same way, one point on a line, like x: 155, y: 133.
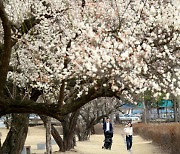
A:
x: 129, y: 142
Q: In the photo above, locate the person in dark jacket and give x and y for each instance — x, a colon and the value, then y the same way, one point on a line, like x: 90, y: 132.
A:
x: 107, y: 126
x: 108, y: 134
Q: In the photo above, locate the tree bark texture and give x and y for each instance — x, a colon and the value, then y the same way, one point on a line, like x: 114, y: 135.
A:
x: 48, y: 136
x: 16, y: 137
x: 69, y: 128
x: 57, y: 137
x: 5, y: 53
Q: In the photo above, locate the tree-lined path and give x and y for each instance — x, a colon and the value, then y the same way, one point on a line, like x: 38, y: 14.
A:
x: 93, y: 146
x: 58, y: 55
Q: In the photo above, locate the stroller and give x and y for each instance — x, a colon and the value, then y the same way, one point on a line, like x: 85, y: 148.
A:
x: 108, y: 140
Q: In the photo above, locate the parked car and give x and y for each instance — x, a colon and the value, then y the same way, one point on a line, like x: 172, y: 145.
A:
x: 34, y: 117
x: 127, y: 117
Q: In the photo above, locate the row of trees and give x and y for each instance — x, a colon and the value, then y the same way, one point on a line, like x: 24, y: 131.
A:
x: 56, y: 56
x: 149, y: 101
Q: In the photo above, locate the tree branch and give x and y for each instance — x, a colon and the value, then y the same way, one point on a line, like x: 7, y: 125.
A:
x: 6, y: 49
x: 29, y: 106
x: 92, y: 94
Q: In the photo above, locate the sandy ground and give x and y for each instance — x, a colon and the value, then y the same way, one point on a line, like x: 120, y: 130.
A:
x: 36, y: 135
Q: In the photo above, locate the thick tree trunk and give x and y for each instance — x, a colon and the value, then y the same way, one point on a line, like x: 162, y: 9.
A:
x: 5, y: 53
x: 19, y: 127
x: 68, y: 136
x: 69, y: 128
x: 17, y: 135
x: 68, y: 140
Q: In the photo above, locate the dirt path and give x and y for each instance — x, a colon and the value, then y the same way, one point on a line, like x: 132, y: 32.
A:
x: 94, y: 145
x: 140, y: 146
x: 36, y: 135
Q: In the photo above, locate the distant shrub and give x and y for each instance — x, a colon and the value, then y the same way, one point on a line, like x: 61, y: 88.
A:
x: 166, y: 135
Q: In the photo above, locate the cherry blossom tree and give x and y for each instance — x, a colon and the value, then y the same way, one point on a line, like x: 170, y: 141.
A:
x: 133, y: 44
x: 83, y: 49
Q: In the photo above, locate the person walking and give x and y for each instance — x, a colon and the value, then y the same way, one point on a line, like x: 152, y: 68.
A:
x: 108, y: 134
x: 129, y: 133
x: 107, y: 126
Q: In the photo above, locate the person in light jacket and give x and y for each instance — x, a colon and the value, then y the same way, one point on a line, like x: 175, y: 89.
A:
x: 129, y: 133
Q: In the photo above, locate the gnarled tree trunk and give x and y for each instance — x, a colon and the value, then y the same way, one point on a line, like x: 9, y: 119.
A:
x: 68, y: 138
x: 17, y: 135
x: 69, y: 128
x: 69, y: 125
